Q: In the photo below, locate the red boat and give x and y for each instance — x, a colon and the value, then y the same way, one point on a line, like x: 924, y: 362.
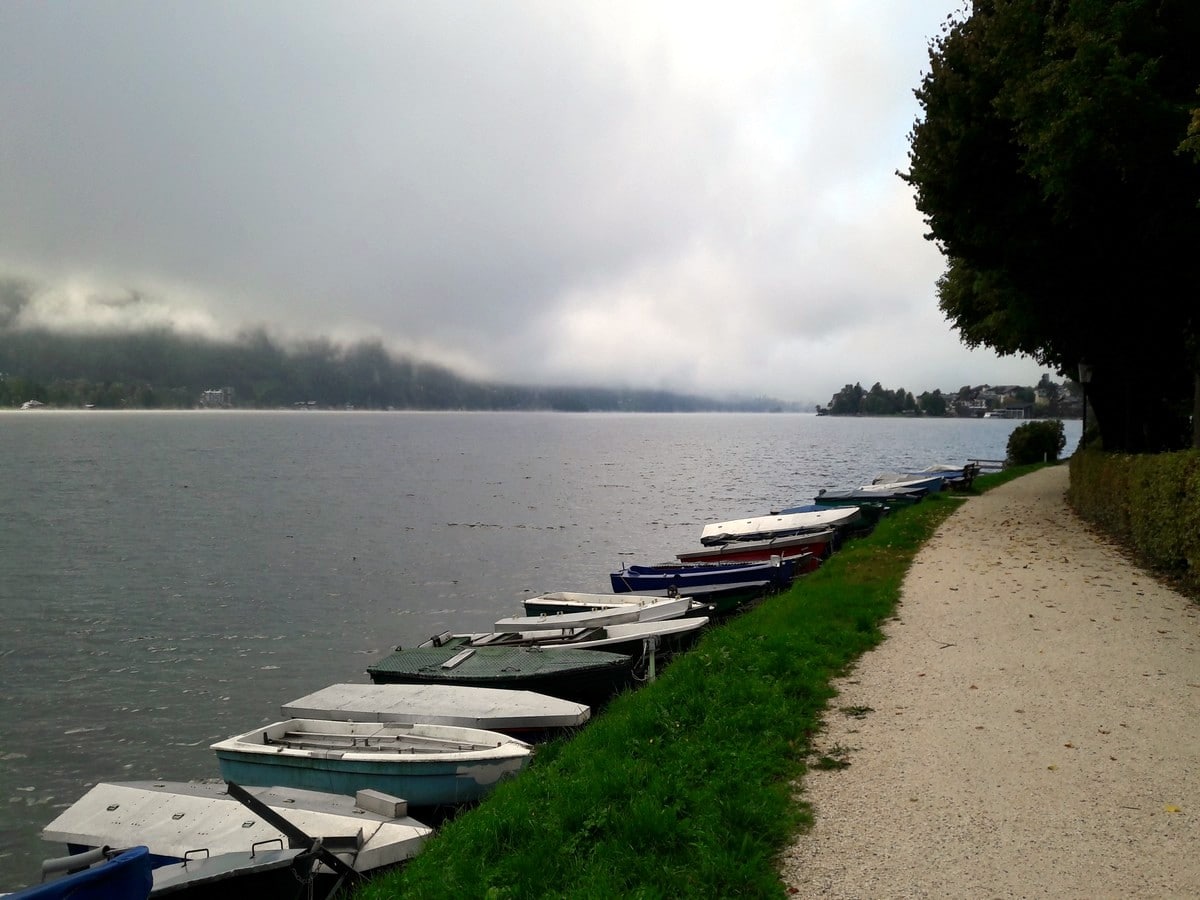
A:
x: 819, y: 544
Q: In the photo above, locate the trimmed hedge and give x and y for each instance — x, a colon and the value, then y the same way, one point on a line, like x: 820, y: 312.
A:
x: 1150, y: 503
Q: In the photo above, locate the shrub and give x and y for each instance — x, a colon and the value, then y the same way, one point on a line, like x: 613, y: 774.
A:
x: 1036, y: 442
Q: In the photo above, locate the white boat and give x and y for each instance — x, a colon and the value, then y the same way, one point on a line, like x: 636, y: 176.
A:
x: 518, y: 713
x: 561, y: 621
x: 651, y: 607
x: 427, y: 765
x: 632, y: 638
x: 766, y: 527
x: 928, y: 481
x: 553, y: 610
x: 175, y: 819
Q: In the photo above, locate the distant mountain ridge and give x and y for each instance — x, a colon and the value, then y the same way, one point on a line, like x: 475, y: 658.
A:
x: 163, y: 369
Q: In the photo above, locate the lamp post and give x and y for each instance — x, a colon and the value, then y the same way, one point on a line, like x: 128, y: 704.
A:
x: 1085, y: 378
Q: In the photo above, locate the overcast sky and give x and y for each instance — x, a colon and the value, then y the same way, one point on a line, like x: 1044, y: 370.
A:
x: 684, y: 195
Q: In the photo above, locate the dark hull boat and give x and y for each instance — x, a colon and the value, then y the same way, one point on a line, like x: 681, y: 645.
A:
x: 819, y: 544
x: 591, y: 677
x: 697, y: 580
x: 722, y: 587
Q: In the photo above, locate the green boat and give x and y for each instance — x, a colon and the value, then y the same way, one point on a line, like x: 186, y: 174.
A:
x: 592, y: 677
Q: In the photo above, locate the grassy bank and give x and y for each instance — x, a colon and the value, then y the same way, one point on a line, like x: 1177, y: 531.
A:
x: 685, y: 787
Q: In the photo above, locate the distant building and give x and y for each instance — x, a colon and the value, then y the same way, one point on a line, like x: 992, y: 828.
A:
x: 221, y: 398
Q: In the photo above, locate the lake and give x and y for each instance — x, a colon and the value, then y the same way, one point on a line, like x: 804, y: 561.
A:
x: 169, y: 579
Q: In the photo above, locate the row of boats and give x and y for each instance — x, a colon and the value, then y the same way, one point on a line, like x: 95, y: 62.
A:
x: 327, y: 794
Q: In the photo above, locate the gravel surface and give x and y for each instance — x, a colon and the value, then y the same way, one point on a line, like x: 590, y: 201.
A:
x: 1029, y: 728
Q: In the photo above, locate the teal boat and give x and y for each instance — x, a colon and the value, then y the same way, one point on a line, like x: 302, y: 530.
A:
x: 427, y: 765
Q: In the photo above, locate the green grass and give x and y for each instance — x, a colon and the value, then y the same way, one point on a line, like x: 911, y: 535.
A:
x: 687, y: 787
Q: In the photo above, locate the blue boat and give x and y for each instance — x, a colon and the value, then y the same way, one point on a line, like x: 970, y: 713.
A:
x: 871, y: 494
x: 100, y: 874
x: 722, y: 588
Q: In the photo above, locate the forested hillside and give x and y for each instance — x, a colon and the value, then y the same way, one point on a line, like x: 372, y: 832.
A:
x: 163, y: 370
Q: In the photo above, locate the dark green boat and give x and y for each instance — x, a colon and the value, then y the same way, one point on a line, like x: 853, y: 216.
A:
x: 592, y: 677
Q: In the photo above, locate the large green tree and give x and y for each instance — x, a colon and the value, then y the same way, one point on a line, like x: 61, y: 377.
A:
x: 1048, y: 165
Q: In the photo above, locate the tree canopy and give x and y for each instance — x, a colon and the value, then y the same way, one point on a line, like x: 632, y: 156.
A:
x: 1050, y: 165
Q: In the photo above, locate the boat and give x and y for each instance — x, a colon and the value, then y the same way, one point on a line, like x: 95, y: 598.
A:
x: 524, y: 714
x: 186, y: 821
x: 757, y: 528
x: 872, y: 511
x: 669, y: 579
x: 884, y: 494
x: 931, y: 482
x: 651, y: 607
x: 99, y: 874
x: 637, y: 639
x: 723, y: 587
x: 954, y: 477
x: 268, y: 871
x: 591, y: 677
x: 819, y: 544
x: 427, y: 765
x: 588, y: 611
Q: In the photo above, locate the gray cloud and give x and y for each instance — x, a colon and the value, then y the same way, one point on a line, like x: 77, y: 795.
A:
x: 684, y: 195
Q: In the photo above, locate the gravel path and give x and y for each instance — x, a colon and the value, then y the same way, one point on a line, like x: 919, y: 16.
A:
x: 1030, y: 727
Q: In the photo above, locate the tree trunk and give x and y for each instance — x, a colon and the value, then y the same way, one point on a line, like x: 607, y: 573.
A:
x: 1196, y: 409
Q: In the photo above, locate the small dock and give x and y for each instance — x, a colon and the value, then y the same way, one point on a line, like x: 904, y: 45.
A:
x: 986, y: 465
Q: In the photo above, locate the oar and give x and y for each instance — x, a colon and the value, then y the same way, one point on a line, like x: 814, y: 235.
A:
x: 294, y: 834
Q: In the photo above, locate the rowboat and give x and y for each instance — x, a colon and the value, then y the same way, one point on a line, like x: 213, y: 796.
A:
x: 758, y: 528
x: 591, y: 677
x: 104, y: 874
x: 872, y: 511
x: 651, y: 607
x: 427, y: 765
x: 703, y: 578
x: 637, y: 639
x: 276, y: 872
x: 100, y: 874
x: 953, y: 476
x: 930, y: 482
x: 524, y: 714
x: 589, y: 610
x: 819, y: 544
x: 723, y: 587
x: 200, y: 821
x: 886, y: 494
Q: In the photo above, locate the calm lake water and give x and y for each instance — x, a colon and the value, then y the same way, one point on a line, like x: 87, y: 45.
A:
x: 170, y: 579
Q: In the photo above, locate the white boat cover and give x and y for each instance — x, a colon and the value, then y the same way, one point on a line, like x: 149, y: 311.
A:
x: 173, y: 818
x: 765, y: 526
x: 593, y: 608
x: 492, y: 709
